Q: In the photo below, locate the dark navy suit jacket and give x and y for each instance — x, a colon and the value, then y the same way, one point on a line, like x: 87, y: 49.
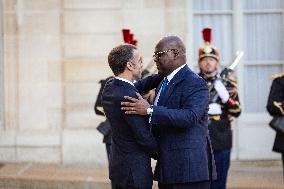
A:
x: 180, y: 122
x: 132, y: 142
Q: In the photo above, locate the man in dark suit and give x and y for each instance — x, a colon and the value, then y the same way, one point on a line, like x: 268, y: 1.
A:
x: 179, y: 119
x: 133, y: 145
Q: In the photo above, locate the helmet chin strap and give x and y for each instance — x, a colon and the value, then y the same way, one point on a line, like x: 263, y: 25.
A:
x: 211, y: 74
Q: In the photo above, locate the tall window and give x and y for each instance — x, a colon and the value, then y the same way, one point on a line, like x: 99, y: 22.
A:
x: 263, y: 45
x: 262, y: 42
x: 216, y: 14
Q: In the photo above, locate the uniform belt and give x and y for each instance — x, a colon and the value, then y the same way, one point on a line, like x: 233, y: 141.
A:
x: 215, y: 117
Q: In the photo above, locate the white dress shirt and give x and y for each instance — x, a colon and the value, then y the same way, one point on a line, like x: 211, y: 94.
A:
x: 169, y: 77
x: 125, y: 80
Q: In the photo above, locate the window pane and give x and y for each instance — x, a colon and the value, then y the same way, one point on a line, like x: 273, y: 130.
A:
x: 257, y: 82
x: 263, y: 37
x: 222, y: 35
x: 263, y: 4
x: 200, y: 5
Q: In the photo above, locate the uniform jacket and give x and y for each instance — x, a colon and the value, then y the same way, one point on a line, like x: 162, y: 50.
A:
x: 220, y: 125
x: 277, y: 95
x: 98, y: 108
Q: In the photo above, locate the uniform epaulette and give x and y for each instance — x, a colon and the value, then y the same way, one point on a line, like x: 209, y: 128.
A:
x: 101, y: 109
x: 278, y: 75
x: 232, y: 79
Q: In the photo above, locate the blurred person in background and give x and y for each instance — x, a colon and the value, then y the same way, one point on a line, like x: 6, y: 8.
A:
x: 223, y: 105
x: 104, y: 127
x: 275, y: 107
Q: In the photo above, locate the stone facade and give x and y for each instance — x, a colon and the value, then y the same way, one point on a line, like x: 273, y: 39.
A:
x: 55, y: 53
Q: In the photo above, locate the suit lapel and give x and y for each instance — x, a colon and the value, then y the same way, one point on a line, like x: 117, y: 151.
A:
x: 174, y: 81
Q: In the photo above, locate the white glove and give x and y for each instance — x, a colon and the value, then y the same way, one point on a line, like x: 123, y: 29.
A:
x: 214, y: 109
x: 221, y: 90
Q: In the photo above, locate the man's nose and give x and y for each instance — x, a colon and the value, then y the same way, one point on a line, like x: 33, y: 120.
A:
x: 155, y: 58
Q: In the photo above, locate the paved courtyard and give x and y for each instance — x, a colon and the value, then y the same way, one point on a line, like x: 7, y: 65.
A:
x: 243, y: 175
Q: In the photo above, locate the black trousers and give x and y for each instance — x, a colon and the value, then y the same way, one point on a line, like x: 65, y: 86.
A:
x: 108, y: 150
x: 130, y: 185
x: 283, y: 163
x: 188, y: 185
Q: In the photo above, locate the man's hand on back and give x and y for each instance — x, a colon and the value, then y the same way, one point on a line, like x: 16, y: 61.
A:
x: 135, y: 105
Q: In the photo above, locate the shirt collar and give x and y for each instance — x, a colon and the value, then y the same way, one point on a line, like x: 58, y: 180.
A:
x: 125, y: 80
x: 170, y: 77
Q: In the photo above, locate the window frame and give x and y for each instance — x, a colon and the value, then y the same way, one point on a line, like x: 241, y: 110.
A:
x: 2, y: 67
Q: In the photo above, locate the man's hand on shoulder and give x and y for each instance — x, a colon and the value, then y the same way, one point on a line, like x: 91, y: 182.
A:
x: 135, y: 105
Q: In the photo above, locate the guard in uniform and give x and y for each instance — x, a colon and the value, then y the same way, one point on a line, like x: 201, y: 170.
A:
x: 224, y: 104
x: 275, y: 107
x: 104, y: 127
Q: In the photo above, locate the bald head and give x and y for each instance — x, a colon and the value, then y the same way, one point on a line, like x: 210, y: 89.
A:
x: 173, y: 42
x: 169, y: 54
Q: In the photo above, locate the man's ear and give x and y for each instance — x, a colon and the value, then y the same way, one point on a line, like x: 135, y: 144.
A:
x: 129, y: 66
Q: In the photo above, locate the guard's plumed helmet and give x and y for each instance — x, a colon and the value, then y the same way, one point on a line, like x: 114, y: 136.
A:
x: 207, y: 50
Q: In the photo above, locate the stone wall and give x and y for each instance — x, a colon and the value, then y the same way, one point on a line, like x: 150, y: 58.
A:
x: 55, y: 53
